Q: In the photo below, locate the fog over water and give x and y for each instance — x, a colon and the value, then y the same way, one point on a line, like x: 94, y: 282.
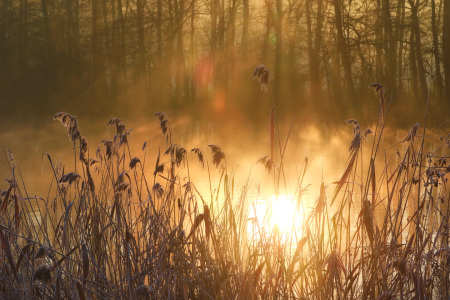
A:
x: 325, y: 145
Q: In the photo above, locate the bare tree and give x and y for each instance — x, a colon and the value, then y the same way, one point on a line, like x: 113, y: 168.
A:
x: 446, y: 47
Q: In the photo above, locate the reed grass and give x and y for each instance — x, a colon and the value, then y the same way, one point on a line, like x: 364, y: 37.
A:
x: 117, y: 228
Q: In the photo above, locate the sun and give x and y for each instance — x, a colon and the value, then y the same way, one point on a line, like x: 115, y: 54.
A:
x: 275, y: 212
x: 283, y: 213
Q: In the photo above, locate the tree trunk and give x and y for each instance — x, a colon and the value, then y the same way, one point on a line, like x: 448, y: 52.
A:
x: 213, y: 12
x: 23, y: 33
x: 180, y: 67
x: 141, y: 61
x: 107, y: 45
x: 437, y: 59
x: 446, y: 47
x: 389, y: 48
x: 245, y: 24
x: 159, y: 23
x: 342, y: 48
x: 279, y: 47
x: 231, y: 35
x: 48, y: 29
x: 221, y: 24
x: 399, y: 34
x: 192, y: 51
x: 413, y: 65
x: 268, y: 23
x: 98, y: 68
x: 5, y: 46
x: 418, y: 48
x: 314, y: 50
x: 378, y: 44
x: 121, y: 33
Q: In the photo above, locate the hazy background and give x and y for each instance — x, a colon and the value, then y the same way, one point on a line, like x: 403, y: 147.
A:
x: 194, y: 60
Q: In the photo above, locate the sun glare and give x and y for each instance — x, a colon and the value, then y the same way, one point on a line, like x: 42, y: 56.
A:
x: 275, y: 212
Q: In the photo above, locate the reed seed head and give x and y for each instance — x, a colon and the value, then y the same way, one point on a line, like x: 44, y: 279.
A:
x: 261, y: 73
x: 158, y: 190
x: 200, y: 156
x: 70, y: 123
x: 412, y: 133
x: 218, y: 155
x: 401, y: 265
x: 41, y: 253
x: 43, y: 274
x: 69, y: 178
x: 143, y: 292
x: 134, y: 161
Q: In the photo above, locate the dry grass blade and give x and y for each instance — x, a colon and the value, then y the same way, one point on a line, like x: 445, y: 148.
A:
x: 344, y: 177
x: 7, y: 249
x: 373, y: 179
x: 58, y: 288
x: 207, y: 219
x: 85, y: 257
x: 158, y: 168
x: 258, y: 271
x: 296, y: 256
x: 80, y: 291
x: 198, y: 220
x: 272, y: 130
x: 6, y: 199
x: 321, y: 200
x: 23, y: 252
x: 65, y: 256
x: 408, y: 246
x: 16, y: 212
x: 66, y: 225
x: 368, y: 219
x: 90, y: 180
x: 185, y: 291
x: 424, y: 244
x: 333, y: 263
x: 351, y: 280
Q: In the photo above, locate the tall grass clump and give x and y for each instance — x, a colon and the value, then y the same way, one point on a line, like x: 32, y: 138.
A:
x: 114, y: 227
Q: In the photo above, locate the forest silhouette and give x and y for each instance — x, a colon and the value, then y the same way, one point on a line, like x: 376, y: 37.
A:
x: 200, y: 55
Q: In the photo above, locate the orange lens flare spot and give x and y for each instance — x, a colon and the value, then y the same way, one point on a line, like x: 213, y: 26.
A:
x: 204, y: 72
x: 219, y: 101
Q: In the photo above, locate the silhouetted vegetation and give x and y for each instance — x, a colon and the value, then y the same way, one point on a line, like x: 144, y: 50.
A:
x: 113, y: 227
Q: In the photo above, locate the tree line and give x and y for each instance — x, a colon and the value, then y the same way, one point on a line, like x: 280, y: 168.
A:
x: 185, y: 50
